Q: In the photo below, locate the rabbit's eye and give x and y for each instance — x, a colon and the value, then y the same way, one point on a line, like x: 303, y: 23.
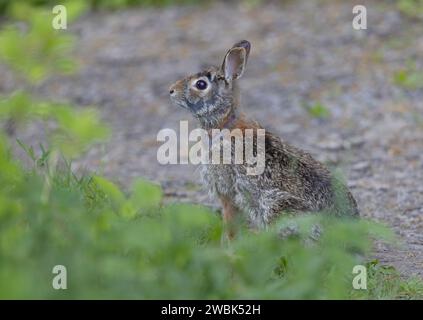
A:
x: 201, y: 85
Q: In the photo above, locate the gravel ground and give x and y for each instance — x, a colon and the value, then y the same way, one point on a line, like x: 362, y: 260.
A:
x: 303, y: 52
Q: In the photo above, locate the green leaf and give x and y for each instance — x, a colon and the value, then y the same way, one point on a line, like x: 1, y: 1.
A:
x: 146, y: 195
x: 111, y: 190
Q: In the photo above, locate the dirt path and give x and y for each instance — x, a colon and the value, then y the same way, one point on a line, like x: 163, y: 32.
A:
x: 303, y: 52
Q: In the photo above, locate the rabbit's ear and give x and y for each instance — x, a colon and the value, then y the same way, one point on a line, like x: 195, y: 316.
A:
x: 243, y: 44
x: 234, y: 63
x: 235, y: 60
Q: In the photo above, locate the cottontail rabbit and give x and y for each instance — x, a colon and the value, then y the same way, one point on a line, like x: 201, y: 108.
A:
x: 292, y: 180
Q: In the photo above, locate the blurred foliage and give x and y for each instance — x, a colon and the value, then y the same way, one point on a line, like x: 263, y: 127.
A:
x: 35, y: 51
x: 25, y: 9
x: 6, y: 6
x: 116, y: 245
x: 46, y: 51
x: 318, y: 110
x: 114, y: 4
x: 69, y: 130
x: 409, y: 78
x: 412, y: 8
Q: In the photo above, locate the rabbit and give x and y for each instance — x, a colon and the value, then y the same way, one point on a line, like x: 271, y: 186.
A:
x: 292, y: 180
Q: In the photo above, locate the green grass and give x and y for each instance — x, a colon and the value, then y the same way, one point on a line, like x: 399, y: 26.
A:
x: 129, y: 245
x: 411, y: 8
x: 385, y: 282
x: 318, y: 110
x: 409, y: 79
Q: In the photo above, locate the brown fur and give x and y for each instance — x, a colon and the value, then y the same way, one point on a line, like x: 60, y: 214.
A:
x: 229, y: 212
x: 292, y: 180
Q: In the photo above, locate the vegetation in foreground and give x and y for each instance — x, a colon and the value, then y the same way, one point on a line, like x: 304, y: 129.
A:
x: 117, y: 245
